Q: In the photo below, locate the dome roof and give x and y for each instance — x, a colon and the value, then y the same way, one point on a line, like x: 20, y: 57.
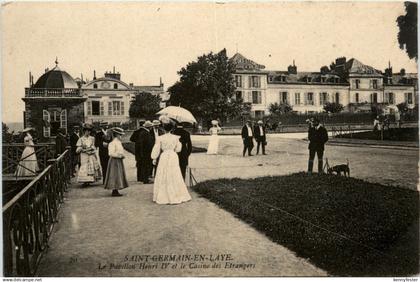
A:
x: 55, y: 78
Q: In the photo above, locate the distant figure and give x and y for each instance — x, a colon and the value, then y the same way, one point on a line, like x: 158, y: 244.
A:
x: 186, y: 150
x: 60, y: 142
x: 317, y: 136
x: 116, y: 178
x: 213, y: 146
x: 260, y: 137
x: 75, y: 157
x: 143, y: 140
x: 397, y: 118
x: 28, y: 164
x: 102, y: 140
x: 247, y: 138
x: 169, y: 186
x: 376, y: 124
x: 90, y: 170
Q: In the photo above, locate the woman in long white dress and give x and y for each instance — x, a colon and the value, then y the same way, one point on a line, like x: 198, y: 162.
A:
x: 28, y: 164
x: 213, y: 147
x: 169, y: 186
x: 90, y: 170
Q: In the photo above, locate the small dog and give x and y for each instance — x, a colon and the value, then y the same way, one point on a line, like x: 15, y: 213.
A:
x: 338, y: 169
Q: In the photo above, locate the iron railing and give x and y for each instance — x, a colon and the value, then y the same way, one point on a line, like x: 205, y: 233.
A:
x: 52, y: 92
x: 12, y: 154
x: 28, y: 218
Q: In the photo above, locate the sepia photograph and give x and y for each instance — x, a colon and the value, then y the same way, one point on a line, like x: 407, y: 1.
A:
x: 210, y: 139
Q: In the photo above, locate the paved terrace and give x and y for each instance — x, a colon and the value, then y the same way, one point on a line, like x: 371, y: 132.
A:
x: 96, y: 232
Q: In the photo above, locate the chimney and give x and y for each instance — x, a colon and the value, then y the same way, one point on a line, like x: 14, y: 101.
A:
x: 94, y: 74
x: 292, y: 69
x: 160, y: 82
x: 30, y: 79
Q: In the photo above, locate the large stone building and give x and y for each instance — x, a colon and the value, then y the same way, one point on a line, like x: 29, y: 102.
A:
x: 351, y: 83
x: 57, y: 100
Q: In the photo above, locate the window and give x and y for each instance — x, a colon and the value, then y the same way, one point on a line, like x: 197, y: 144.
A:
x: 116, y: 108
x: 95, y: 108
x: 89, y: 108
x: 238, y: 95
x: 357, y: 83
x: 337, y: 98
x: 323, y: 98
x: 375, y: 84
x: 63, y: 120
x: 374, y: 98
x: 238, y: 81
x: 110, y: 108
x: 254, y: 81
x: 409, y: 98
x: 323, y: 78
x: 270, y: 78
x: 309, y: 79
x: 297, y: 98
x: 46, y: 118
x: 283, y: 97
x: 391, y: 98
x: 95, y: 86
x: 256, y: 97
x: 337, y: 80
x: 310, y: 98
x: 115, y: 85
x: 356, y: 97
x: 102, y: 109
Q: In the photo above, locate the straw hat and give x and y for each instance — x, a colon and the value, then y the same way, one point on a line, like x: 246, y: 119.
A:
x: 260, y: 122
x: 214, y: 122
x: 148, y: 123
x: 118, y: 130
x: 27, y: 129
x: 88, y: 126
x: 156, y: 122
x: 164, y: 119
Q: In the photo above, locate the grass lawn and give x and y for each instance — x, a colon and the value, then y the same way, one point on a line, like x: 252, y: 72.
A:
x: 380, y: 221
x: 393, y: 134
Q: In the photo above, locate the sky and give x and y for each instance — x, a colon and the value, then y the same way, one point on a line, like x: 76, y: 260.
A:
x: 149, y: 40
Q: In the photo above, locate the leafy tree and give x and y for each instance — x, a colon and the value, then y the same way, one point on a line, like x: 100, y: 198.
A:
x: 333, y: 107
x: 407, y: 35
x: 206, y: 88
x: 280, y: 109
x: 145, y: 105
x: 7, y: 137
x: 402, y: 107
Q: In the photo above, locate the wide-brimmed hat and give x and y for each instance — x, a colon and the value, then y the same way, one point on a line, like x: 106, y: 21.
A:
x: 118, y: 130
x: 156, y: 122
x: 260, y: 122
x: 88, y: 126
x: 148, y: 123
x: 27, y: 129
x: 214, y: 122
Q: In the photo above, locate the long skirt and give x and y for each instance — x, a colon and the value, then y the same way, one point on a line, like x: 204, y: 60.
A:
x: 90, y: 170
x: 169, y: 186
x: 115, y: 175
x: 213, y: 147
x: 28, y: 164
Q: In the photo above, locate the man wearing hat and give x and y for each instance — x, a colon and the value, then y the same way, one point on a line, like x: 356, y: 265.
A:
x: 247, y: 136
x: 143, y: 149
x: 260, y: 137
x: 186, y: 150
x: 74, y: 137
x: 102, y: 139
x: 317, y: 136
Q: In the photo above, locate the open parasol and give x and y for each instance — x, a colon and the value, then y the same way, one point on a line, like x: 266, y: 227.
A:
x: 178, y: 113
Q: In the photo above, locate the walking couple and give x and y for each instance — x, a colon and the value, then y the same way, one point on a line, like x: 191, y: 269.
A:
x: 169, y: 153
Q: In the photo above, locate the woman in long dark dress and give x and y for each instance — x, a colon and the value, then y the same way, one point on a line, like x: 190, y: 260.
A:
x: 116, y: 178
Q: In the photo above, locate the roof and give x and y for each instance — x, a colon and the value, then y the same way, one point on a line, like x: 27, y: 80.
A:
x: 406, y: 79
x: 246, y: 64
x: 304, y: 77
x: 148, y: 88
x: 55, y: 78
x: 355, y: 66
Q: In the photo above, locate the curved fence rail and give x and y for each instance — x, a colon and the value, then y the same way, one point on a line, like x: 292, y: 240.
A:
x: 28, y: 217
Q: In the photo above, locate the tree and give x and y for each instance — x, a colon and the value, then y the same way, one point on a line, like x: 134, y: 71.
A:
x: 145, y: 105
x: 333, y: 107
x: 206, y: 88
x: 7, y: 137
x: 407, y: 35
x: 280, y: 109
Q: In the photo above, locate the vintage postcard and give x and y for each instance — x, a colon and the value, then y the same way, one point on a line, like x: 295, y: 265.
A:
x: 219, y: 139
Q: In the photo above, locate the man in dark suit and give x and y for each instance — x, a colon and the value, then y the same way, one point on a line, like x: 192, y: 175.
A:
x: 260, y: 137
x: 186, y: 150
x: 247, y: 136
x: 143, y: 149
x: 60, y: 142
x: 317, y: 136
x: 102, y: 139
x: 74, y: 137
x: 156, y: 131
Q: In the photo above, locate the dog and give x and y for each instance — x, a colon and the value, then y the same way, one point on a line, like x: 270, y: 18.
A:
x: 338, y: 169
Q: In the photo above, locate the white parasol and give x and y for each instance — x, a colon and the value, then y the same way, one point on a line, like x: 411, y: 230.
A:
x: 178, y: 113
